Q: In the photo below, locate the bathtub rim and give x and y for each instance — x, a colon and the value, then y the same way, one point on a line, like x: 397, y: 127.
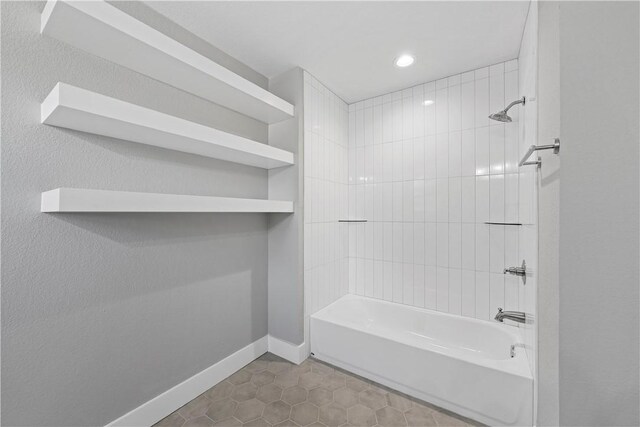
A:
x: 519, y: 365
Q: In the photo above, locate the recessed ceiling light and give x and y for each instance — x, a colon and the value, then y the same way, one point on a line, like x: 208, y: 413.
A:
x: 404, y: 60
x: 427, y: 102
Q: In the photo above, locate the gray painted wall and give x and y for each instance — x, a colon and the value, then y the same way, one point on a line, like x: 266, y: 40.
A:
x: 102, y: 312
x: 599, y: 211
x: 548, y: 212
x: 286, y: 252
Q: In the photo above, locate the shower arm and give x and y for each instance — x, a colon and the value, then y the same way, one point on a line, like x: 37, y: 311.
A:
x: 519, y: 101
x: 555, y: 147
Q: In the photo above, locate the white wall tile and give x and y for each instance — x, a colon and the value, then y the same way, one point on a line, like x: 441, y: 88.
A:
x: 418, y: 243
x: 468, y: 289
x: 387, y: 239
x: 407, y: 160
x: 407, y: 284
x: 469, y: 76
x: 483, y: 302
x: 442, y: 202
x: 387, y: 282
x: 455, y: 200
x: 482, y: 151
x: 442, y: 111
x: 426, y: 177
x: 468, y: 152
x: 496, y: 149
x: 359, y: 128
x: 397, y: 282
x: 482, y: 199
x: 397, y: 161
x: 496, y: 249
x: 368, y: 278
x: 397, y: 242
x: 442, y: 155
x: 387, y: 122
x: 443, y: 289
x: 467, y: 199
x: 442, y: 244
x: 329, y: 166
x: 455, y: 154
x: 511, y: 93
x: 407, y: 201
x: 397, y: 120
x: 467, y: 105
x: 387, y: 201
x: 430, y: 287
x: 468, y: 246
x: 418, y: 285
x: 455, y: 245
x: 430, y: 200
x: 418, y: 111
x: 482, y: 247
x: 455, y: 109
x: 387, y: 163
x: 455, y: 291
x: 482, y: 103
x: 482, y: 73
x: 368, y: 126
x: 377, y: 124
x: 496, y: 198
x: 430, y: 113
x: 511, y: 148
x: 496, y: 293
x: 511, y: 197
x: 407, y: 242
x: 418, y: 158
x: 430, y: 157
x: 398, y: 201
x: 378, y: 279
x: 407, y: 116
x: 496, y: 93
x: 430, y: 243
x: 418, y: 201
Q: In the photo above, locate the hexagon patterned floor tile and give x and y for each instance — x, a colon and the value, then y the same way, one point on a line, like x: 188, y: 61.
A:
x: 271, y: 392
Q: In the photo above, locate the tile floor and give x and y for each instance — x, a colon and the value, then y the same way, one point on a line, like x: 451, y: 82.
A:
x: 273, y: 392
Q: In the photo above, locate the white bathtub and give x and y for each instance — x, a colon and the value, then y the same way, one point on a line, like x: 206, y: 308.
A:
x: 457, y: 363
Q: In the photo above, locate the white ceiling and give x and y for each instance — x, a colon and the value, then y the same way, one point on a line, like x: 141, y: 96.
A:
x: 350, y: 46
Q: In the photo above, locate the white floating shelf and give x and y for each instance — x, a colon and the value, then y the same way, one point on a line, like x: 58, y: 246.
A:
x: 79, y: 109
x: 103, y: 30
x: 86, y: 200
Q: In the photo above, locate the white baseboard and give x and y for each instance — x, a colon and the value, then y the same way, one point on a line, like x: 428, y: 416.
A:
x: 160, y: 406
x: 291, y: 352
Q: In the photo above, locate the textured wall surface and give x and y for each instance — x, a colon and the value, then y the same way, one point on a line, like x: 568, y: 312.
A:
x: 599, y: 209
x: 102, y: 312
x: 286, y: 232
x: 548, y: 284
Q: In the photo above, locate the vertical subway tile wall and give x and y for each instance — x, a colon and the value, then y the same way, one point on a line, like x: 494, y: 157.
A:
x: 426, y: 169
x: 325, y: 196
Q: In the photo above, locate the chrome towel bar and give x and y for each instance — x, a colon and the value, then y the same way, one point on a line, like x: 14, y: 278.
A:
x: 555, y: 147
x: 352, y: 220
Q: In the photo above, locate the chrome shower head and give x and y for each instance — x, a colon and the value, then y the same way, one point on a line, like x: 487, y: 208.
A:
x: 502, y: 116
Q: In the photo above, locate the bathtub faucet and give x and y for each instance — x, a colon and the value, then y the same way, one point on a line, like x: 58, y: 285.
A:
x: 516, y: 316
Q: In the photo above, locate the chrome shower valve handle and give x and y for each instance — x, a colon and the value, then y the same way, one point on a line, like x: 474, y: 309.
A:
x: 518, y: 271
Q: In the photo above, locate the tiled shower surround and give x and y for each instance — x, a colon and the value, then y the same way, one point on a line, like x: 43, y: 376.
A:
x: 426, y: 169
x: 325, y: 195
